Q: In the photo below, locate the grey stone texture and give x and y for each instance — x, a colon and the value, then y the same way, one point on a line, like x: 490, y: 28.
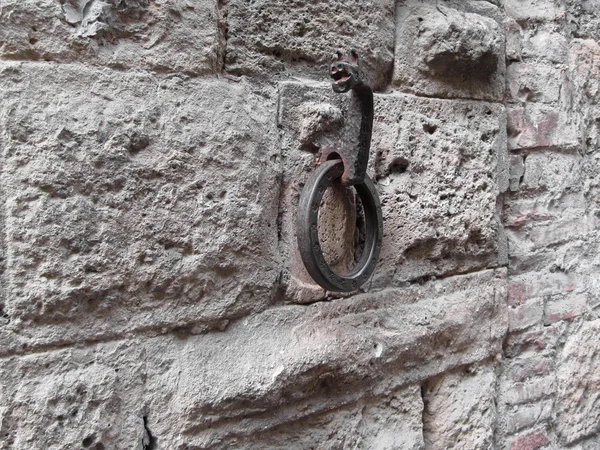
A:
x: 152, y: 296
x: 164, y: 35
x: 126, y: 202
x: 445, y: 52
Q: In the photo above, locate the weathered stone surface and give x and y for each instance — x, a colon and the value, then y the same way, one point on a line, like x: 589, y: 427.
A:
x: 578, y: 402
x: 135, y: 201
x: 460, y: 410
x: 440, y: 166
x: 529, y: 82
x: 163, y: 35
x: 583, y: 18
x: 536, y: 125
x: 321, y: 366
x: 538, y: 10
x: 545, y: 44
x: 443, y: 52
x: 270, y: 38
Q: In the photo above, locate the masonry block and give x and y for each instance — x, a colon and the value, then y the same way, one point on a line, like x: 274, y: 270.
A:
x: 267, y: 38
x: 446, y: 52
x: 459, y: 409
x: 578, y: 401
x: 135, y: 201
x: 439, y: 165
x: 162, y: 35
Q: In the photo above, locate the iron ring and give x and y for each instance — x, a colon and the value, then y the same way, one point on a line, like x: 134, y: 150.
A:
x: 308, y: 234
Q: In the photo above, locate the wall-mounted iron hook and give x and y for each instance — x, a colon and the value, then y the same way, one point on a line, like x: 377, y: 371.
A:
x: 349, y: 164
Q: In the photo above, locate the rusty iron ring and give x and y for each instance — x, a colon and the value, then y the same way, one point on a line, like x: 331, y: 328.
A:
x: 308, y: 233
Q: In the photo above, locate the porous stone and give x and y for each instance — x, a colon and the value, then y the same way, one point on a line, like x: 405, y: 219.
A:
x: 535, y: 125
x: 135, y: 201
x: 439, y: 165
x: 163, y: 35
x: 443, y: 52
x: 529, y: 82
x: 459, y: 409
x: 350, y: 368
x: 578, y: 401
x: 537, y: 10
x: 268, y: 38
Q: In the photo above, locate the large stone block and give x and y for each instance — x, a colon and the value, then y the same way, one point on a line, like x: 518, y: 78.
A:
x: 440, y: 166
x: 460, y: 410
x: 291, y: 377
x: 268, y: 38
x: 444, y: 52
x: 163, y: 35
x: 578, y: 401
x: 135, y: 201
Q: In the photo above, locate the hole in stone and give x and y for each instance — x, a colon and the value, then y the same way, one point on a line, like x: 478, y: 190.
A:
x: 399, y: 165
x: 88, y: 441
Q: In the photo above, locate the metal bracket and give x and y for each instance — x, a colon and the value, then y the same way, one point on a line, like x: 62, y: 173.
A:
x: 349, y: 164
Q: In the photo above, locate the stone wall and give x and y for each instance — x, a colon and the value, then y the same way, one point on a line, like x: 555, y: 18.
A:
x: 152, y: 295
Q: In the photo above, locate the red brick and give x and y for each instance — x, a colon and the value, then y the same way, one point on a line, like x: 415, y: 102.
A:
x: 530, y: 441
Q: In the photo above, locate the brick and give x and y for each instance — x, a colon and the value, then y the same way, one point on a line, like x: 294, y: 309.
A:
x: 531, y: 440
x: 542, y: 341
x: 534, y: 82
x: 536, y: 125
x: 539, y: 10
x: 545, y: 44
x: 527, y: 415
x: 565, y: 307
x: 578, y: 399
x: 521, y: 368
x: 528, y: 391
x: 526, y: 315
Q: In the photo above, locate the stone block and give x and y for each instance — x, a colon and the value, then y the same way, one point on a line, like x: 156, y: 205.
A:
x: 460, y: 409
x: 85, y: 398
x: 444, y: 52
x: 536, y: 125
x: 439, y: 165
x: 162, y: 35
x: 530, y: 440
x: 545, y: 44
x: 533, y: 82
x: 346, y: 369
x: 526, y: 315
x: 578, y: 400
x: 135, y: 201
x: 268, y: 38
x: 565, y: 307
x: 537, y: 10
